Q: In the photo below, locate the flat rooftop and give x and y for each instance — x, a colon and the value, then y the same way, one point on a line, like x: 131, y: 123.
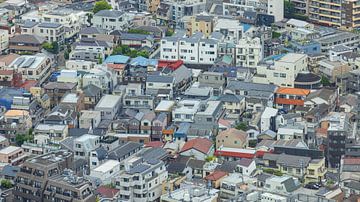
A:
x: 107, y: 166
x: 9, y: 150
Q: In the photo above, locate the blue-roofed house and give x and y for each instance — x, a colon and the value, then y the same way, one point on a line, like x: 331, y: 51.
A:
x: 117, y: 59
x: 182, y: 132
x: 142, y: 62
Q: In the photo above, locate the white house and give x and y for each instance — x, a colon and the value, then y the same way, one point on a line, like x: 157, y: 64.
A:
x: 249, y: 52
x: 247, y: 166
x: 109, y: 106
x: 111, y: 20
x: 185, y: 110
x: 268, y: 119
x: 84, y: 144
x: 106, y: 172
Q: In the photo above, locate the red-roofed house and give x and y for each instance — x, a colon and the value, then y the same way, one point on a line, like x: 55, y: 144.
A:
x: 199, y: 148
x: 173, y: 65
x: 216, y: 178
x: 108, y: 194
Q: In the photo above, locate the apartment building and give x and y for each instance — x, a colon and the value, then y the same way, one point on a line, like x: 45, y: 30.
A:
x: 201, y: 23
x: 289, y: 98
x: 111, y: 20
x: 12, y: 155
x: 4, y: 40
x: 45, y: 178
x: 185, y: 110
x: 281, y: 69
x: 143, y: 181
x: 109, y: 106
x: 50, y: 31
x: 32, y: 67
x: 301, y: 6
x: 337, y: 13
x: 249, y: 52
x: 195, y: 49
x: 270, y: 7
x: 348, y: 39
x: 50, y: 133
x: 84, y: 144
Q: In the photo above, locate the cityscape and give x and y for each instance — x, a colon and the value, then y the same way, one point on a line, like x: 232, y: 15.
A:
x: 179, y: 100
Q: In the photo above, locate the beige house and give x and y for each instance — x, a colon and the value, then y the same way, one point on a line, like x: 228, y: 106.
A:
x: 12, y: 155
x: 19, y: 117
x: 232, y: 138
x: 201, y: 23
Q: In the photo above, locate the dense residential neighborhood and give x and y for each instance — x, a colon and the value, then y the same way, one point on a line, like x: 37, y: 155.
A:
x: 180, y: 100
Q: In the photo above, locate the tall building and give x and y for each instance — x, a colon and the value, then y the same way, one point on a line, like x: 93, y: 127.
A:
x: 46, y: 178
x: 339, y: 13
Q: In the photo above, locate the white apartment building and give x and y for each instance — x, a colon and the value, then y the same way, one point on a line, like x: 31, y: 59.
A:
x: 51, y: 31
x: 32, y: 67
x: 106, y: 172
x: 270, y: 7
x: 185, y: 110
x: 249, y: 52
x: 232, y: 29
x: 89, y: 119
x: 79, y: 65
x: 194, y: 49
x: 111, y: 20
x: 142, y: 182
x: 4, y: 40
x: 281, y: 70
x: 84, y: 144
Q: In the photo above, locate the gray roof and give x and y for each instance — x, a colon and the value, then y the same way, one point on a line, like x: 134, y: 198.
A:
x: 101, y: 153
x: 197, y: 164
x: 152, y: 29
x: 49, y: 25
x: 68, y: 143
x: 29, y: 24
x: 228, y: 166
x: 132, y: 36
x: 181, y: 74
x: 231, y: 98
x: 205, y: 18
x: 10, y: 171
x: 27, y: 38
x: 92, y: 30
x: 248, y: 86
x: 123, y: 150
x: 139, y: 168
x: 109, y: 13
x: 91, y: 42
x: 160, y: 79
x: 289, y: 184
x: 288, y: 160
x: 153, y: 153
x: 91, y: 90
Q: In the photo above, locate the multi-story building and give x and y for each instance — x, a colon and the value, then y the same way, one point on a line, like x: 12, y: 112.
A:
x: 281, y: 70
x: 4, y: 40
x: 45, y: 178
x: 301, y: 6
x: 208, y: 116
x: 50, y: 31
x: 111, y: 20
x: 109, y: 106
x: 32, y: 67
x: 143, y: 181
x: 12, y: 155
x: 185, y: 111
x: 194, y: 49
x: 249, y: 52
x: 338, y: 13
x: 348, y: 39
x: 289, y: 98
x: 269, y: 7
x: 201, y: 23
x: 84, y: 144
x: 338, y: 132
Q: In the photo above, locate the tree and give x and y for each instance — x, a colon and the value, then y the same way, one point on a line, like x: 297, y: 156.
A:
x: 138, y: 31
x: 144, y: 54
x: 21, y: 138
x: 169, y: 32
x: 325, y: 81
x: 100, y: 60
x: 51, y: 47
x: 101, y: 5
x: 6, y: 184
x: 242, y: 126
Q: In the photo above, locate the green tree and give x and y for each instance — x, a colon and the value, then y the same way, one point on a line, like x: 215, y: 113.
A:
x: 100, y: 60
x: 325, y: 81
x: 47, y: 46
x: 6, y: 184
x: 289, y: 9
x: 144, y: 54
x: 21, y: 138
x: 169, y: 32
x: 242, y: 126
x: 138, y: 31
x: 51, y: 47
x: 101, y: 5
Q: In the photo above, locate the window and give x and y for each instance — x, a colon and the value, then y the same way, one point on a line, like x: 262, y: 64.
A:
x: 177, y: 116
x: 282, y: 75
x: 209, y: 119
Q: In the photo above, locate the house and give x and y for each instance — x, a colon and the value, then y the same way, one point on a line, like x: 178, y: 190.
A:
x: 215, y: 80
x: 146, y: 123
x: 108, y: 194
x: 56, y: 90
x: 283, y: 185
x: 289, y: 164
x: 246, y: 167
x: 158, y: 125
x: 233, y: 103
x: 208, y: 115
x: 185, y: 111
x: 268, y: 119
x: 289, y: 98
x: 109, y: 106
x: 159, y: 82
x: 101, y: 48
x: 20, y: 117
x: 33, y: 67
x: 200, y: 148
x: 106, y: 172
x: 111, y: 20
x: 12, y: 155
x: 281, y: 70
x: 135, y: 40
x: 135, y: 123
x: 216, y: 177
x: 230, y: 186
x: 50, y: 31
x: 232, y: 138
x: 50, y: 133
x: 26, y: 43
x: 84, y: 144
x: 89, y: 119
x: 92, y: 95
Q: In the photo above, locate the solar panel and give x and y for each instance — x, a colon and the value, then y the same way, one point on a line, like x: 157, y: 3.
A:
x: 28, y: 62
x: 19, y: 61
x: 139, y: 168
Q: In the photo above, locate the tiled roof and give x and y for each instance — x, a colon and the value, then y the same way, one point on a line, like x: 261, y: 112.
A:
x: 216, y: 175
x: 292, y: 91
x: 107, y: 192
x: 239, y: 134
x: 201, y: 144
